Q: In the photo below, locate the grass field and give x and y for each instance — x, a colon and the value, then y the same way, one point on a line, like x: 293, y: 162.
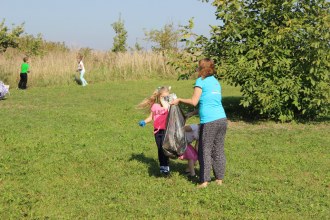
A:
x: 77, y: 153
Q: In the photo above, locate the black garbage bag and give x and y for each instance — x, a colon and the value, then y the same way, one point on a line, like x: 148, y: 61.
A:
x: 175, y: 142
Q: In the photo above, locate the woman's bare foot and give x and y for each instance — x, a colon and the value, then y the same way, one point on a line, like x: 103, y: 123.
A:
x: 202, y: 185
x: 219, y: 182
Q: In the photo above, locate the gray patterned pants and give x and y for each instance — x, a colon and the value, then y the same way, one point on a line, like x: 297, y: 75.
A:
x: 211, y: 149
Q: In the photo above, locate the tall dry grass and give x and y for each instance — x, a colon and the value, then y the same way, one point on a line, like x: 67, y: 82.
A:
x: 58, y: 68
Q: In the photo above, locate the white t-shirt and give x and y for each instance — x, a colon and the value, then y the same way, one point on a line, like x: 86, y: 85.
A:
x: 194, y: 134
x: 81, y: 66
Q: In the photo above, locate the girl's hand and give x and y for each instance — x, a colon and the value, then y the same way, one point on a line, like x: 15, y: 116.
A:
x: 142, y: 123
x: 175, y: 101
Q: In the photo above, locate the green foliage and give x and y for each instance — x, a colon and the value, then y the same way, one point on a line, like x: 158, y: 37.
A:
x: 30, y: 45
x: 119, y: 41
x: 185, y: 61
x: 49, y: 46
x: 277, y: 52
x: 9, y: 38
x: 37, y: 46
x: 166, y: 39
x: 85, y: 52
x: 68, y: 152
x: 137, y: 47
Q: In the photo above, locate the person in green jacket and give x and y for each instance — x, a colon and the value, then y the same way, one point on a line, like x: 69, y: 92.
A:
x: 24, y: 73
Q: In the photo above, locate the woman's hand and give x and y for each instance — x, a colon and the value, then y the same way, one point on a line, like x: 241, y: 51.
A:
x: 175, y: 101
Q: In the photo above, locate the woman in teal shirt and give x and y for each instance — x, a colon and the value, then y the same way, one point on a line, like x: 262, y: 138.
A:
x: 207, y: 92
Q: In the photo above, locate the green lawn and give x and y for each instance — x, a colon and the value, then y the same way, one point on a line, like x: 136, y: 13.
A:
x: 72, y: 152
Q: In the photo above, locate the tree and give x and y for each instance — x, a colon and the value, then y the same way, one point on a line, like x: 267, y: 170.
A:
x: 185, y: 61
x: 119, y: 41
x: 9, y: 38
x: 137, y: 47
x: 165, y: 39
x: 278, y: 53
x: 31, y: 45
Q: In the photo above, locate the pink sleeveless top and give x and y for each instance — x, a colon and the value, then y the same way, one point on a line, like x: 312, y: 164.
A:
x: 159, y: 116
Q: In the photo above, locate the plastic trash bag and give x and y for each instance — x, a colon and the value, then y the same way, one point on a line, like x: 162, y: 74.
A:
x: 4, y: 89
x: 175, y: 142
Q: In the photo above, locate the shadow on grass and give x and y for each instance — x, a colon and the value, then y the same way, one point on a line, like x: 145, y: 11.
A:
x: 322, y: 119
x: 236, y: 112
x: 77, y: 80
x: 153, y: 164
x: 233, y: 109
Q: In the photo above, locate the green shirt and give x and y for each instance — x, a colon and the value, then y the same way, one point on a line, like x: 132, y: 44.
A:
x: 24, y: 68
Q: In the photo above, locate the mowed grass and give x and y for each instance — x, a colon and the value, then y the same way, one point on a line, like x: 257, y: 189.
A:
x: 77, y: 153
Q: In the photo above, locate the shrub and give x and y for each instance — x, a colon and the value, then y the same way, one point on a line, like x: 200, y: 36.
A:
x: 9, y: 38
x: 30, y: 45
x: 277, y: 52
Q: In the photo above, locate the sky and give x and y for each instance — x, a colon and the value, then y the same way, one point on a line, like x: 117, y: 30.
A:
x: 87, y: 23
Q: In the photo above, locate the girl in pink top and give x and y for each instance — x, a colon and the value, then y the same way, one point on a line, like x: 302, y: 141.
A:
x: 158, y: 114
x: 192, y: 134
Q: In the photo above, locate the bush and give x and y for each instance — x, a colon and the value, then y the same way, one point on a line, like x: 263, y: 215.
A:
x: 30, y: 45
x: 9, y: 38
x: 277, y: 52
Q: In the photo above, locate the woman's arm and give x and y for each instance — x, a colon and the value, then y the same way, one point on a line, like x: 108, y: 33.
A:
x: 193, y: 100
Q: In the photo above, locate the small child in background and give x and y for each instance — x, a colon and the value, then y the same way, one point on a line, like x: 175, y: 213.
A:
x: 24, y: 73
x: 192, y: 134
x: 158, y: 114
x: 4, y: 89
x: 81, y: 70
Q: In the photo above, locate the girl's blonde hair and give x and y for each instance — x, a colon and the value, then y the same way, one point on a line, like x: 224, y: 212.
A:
x: 154, y: 98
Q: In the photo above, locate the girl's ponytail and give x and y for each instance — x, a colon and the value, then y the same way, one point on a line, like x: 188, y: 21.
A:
x: 148, y: 102
x: 154, y: 98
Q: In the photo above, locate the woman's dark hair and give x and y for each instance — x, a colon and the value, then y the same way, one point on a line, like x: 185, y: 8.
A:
x: 206, y: 68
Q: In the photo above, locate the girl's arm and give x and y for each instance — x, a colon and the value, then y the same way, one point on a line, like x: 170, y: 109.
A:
x: 190, y: 114
x: 149, y: 119
x: 187, y: 128
x: 193, y: 100
x: 143, y: 123
x: 82, y: 65
x: 196, y: 145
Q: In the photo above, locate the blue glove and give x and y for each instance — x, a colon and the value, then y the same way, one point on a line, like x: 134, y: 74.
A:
x: 142, y: 123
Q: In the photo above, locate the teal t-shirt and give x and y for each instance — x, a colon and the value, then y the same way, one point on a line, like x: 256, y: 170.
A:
x: 210, y: 105
x: 24, y: 68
